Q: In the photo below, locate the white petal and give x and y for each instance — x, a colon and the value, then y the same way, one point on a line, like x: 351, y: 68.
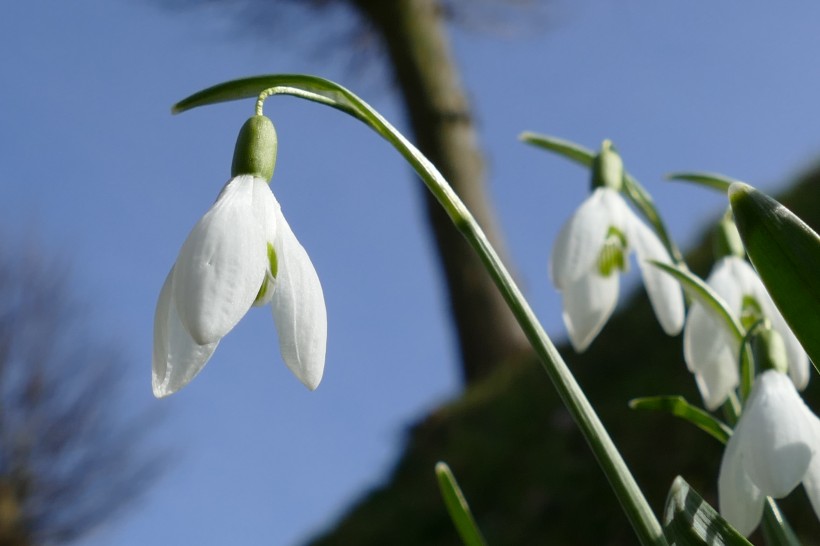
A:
x: 177, y: 358
x: 580, y: 240
x: 266, y: 210
x: 778, y: 444
x: 588, y: 303
x: 811, y: 481
x: 221, y: 265
x: 707, y: 349
x: 299, y: 308
x: 740, y: 502
x: 728, y: 278
x: 664, y: 292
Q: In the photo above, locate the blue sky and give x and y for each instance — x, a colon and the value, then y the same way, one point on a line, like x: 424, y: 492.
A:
x: 99, y: 171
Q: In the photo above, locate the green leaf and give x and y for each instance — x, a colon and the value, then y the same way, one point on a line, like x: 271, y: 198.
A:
x: 776, y: 529
x: 678, y: 406
x: 786, y: 254
x: 689, y: 520
x: 568, y: 149
x: 710, y: 180
x: 457, y: 506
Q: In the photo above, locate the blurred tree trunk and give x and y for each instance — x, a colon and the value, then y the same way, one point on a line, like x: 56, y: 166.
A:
x: 415, y: 37
x: 12, y: 527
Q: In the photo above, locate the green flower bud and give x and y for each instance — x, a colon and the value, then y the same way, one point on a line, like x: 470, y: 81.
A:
x: 607, y: 168
x: 726, y: 239
x: 255, y: 151
x: 769, y: 350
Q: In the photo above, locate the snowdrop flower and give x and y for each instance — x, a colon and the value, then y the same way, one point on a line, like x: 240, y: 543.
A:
x: 242, y: 252
x: 591, y: 250
x: 712, y: 354
x: 774, y: 447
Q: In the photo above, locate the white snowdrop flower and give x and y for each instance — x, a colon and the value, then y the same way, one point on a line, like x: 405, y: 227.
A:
x: 242, y: 252
x: 775, y: 446
x: 592, y: 250
x: 712, y: 354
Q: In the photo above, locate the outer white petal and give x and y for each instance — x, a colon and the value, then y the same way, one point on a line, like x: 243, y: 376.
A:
x: 580, y: 240
x: 797, y: 358
x: 221, y: 264
x: 811, y: 481
x: 707, y: 349
x: 664, y: 292
x: 740, y: 502
x: 299, y: 308
x: 177, y: 358
x: 728, y: 279
x: 778, y: 442
x: 266, y: 211
x: 588, y: 303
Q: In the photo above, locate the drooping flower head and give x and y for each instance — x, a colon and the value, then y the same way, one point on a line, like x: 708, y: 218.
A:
x: 712, y: 354
x: 592, y: 250
x: 774, y: 447
x: 241, y: 253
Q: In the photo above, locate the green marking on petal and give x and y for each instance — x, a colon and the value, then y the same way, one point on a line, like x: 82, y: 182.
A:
x: 750, y: 311
x: 613, y: 253
x: 264, y: 295
x: 263, y: 290
x: 273, y: 261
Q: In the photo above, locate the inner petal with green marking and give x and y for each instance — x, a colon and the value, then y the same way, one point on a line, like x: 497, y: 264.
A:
x: 613, y: 255
x: 266, y: 290
x: 750, y: 311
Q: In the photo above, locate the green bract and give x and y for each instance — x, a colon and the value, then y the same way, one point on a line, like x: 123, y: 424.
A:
x: 786, y: 254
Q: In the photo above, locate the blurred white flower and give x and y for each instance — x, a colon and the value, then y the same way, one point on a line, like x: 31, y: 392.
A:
x: 241, y: 253
x: 774, y: 447
x: 591, y: 250
x: 712, y: 354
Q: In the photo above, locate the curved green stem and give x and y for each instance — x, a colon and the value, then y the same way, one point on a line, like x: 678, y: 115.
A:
x: 325, y: 92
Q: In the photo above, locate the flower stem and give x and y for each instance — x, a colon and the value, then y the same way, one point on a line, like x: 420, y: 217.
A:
x: 325, y: 92
x: 626, y: 489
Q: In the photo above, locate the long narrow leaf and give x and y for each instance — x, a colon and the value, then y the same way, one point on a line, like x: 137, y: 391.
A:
x: 710, y: 180
x: 568, y: 149
x: 691, y: 521
x: 704, y: 295
x: 457, y: 507
x: 786, y: 254
x: 776, y: 529
x: 679, y: 407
